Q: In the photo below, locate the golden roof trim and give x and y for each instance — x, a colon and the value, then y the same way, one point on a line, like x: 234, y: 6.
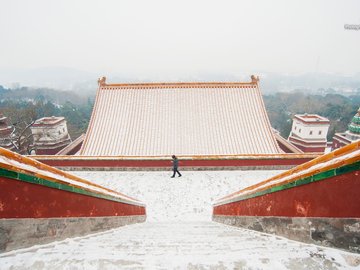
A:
x: 254, y: 81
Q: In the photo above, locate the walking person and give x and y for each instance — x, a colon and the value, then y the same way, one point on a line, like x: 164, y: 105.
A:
x: 175, y: 162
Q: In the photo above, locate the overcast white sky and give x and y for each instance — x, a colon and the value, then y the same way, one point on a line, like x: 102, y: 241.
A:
x: 180, y: 37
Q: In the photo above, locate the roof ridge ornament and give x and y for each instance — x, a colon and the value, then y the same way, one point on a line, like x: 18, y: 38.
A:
x: 102, y: 81
x: 254, y: 79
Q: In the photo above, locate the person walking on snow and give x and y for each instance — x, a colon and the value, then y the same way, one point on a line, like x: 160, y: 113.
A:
x: 175, y: 162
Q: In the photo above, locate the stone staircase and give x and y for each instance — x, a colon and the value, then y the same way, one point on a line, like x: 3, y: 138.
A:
x: 178, y: 245
x: 178, y: 233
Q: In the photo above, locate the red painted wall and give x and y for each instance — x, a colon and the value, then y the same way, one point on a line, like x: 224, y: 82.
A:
x: 316, y: 147
x: 75, y: 149
x: 49, y: 151
x: 334, y: 197
x: 310, y: 149
x: 284, y: 148
x: 167, y: 163
x: 337, y: 144
x: 20, y: 199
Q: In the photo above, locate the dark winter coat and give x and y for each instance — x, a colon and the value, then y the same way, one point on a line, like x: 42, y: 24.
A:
x: 175, y: 163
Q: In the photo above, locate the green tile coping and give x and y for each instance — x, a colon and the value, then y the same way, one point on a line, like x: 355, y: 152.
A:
x: 356, y: 119
x: 354, y: 128
x: 299, y: 182
x: 56, y: 185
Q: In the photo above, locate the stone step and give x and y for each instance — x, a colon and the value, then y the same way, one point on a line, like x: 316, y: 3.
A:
x: 178, y: 245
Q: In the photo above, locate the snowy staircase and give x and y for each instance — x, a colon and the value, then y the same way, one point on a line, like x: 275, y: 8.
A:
x: 177, y: 245
x: 179, y: 233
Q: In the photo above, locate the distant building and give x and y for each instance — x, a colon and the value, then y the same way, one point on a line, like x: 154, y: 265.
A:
x: 50, y: 135
x: 349, y: 136
x: 5, y: 132
x: 309, y: 132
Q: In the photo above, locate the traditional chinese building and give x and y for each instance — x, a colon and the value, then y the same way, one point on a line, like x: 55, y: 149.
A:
x: 309, y: 132
x: 349, y: 136
x: 5, y: 133
x: 212, y: 125
x: 162, y: 119
x: 285, y: 145
x: 50, y: 135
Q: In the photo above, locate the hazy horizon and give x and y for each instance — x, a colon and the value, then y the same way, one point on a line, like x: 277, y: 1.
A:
x: 170, y: 39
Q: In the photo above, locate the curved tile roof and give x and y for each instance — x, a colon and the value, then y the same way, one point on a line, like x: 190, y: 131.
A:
x: 158, y: 119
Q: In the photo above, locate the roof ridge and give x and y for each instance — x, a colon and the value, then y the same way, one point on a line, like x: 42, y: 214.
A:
x: 102, y: 83
x: 181, y: 84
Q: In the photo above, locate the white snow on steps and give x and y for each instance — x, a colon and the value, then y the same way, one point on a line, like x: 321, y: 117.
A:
x: 179, y: 233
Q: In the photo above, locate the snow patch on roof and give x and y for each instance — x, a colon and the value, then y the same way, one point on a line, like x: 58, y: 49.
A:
x: 180, y: 119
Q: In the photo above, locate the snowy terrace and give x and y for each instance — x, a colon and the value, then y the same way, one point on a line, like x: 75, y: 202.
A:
x: 179, y: 233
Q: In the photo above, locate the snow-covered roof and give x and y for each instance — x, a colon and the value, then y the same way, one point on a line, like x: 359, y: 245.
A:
x: 48, y: 121
x: 156, y: 119
x: 312, y: 119
x: 74, y: 145
x: 282, y: 141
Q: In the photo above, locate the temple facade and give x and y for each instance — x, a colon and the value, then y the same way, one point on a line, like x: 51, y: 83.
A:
x: 309, y: 132
x: 349, y: 136
x: 50, y: 135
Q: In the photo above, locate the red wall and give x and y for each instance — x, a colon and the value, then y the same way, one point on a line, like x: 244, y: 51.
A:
x: 49, y: 151
x: 334, y: 197
x: 20, y: 199
x: 310, y: 149
x: 98, y: 162
x: 75, y: 149
x: 337, y: 144
x: 284, y: 148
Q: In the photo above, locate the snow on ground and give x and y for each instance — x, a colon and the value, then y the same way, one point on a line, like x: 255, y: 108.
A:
x: 180, y: 233
x: 178, y: 245
x: 186, y: 198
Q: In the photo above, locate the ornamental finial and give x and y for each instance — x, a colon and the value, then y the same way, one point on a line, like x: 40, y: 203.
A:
x: 102, y: 81
x: 254, y: 79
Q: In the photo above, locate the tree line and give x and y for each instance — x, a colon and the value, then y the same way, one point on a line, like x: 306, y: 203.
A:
x: 281, y: 107
x: 24, y: 105
x: 21, y: 108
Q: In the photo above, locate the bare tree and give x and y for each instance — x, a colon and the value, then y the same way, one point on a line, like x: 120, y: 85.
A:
x: 22, y: 138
